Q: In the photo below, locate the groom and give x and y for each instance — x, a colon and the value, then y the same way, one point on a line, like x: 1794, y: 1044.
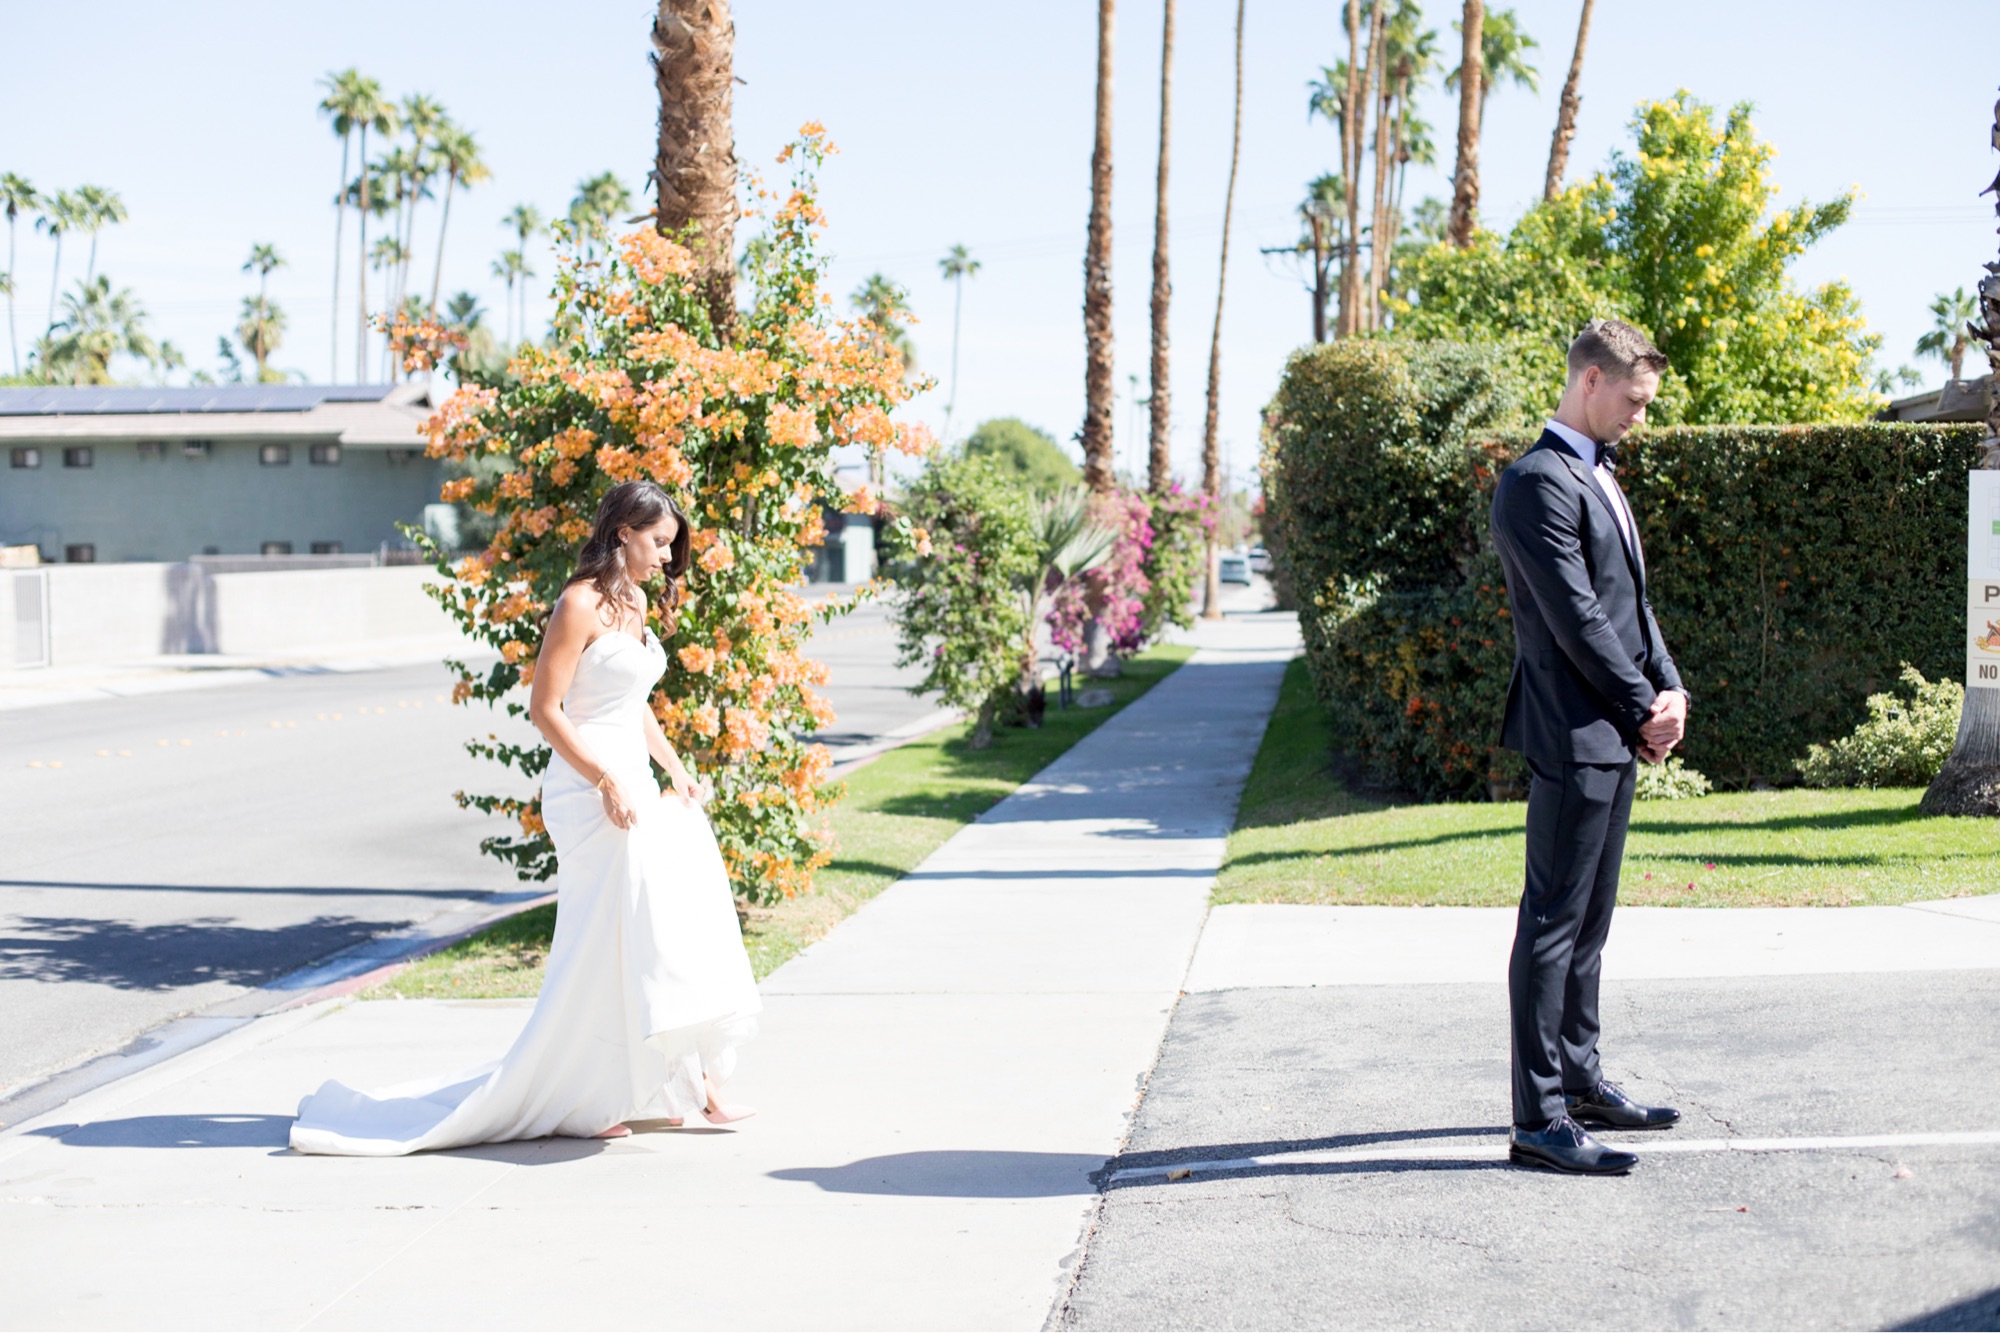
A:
x: 1593, y: 691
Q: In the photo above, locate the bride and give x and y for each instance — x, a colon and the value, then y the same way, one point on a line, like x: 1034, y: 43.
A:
x: 648, y: 991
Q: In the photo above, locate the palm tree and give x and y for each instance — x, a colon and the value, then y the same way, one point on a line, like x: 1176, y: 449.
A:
x: 97, y: 208
x: 956, y: 266
x: 342, y: 105
x: 369, y: 110
x: 598, y: 199
x: 694, y: 161
x: 510, y: 267
x: 401, y: 177
x: 263, y: 258
x: 1069, y: 540
x: 1323, y: 212
x: 458, y: 154
x: 426, y: 122
x: 465, y: 316
x: 1503, y: 56
x: 1567, y: 108
x: 1159, y: 399
x: 884, y: 309
x: 260, y: 329
x: 1098, y: 391
x: 1409, y: 55
x: 16, y: 196
x: 527, y: 223
x: 97, y: 325
x: 1211, y: 450
x: 58, y: 214
x: 1949, y: 335
x: 1470, y: 76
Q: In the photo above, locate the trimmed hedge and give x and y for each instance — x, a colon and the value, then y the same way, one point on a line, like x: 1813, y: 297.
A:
x: 1793, y: 568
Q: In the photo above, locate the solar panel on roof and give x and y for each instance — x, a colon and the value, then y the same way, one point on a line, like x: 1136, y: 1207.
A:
x: 125, y: 400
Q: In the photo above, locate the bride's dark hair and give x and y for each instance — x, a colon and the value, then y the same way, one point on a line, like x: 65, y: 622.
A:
x: 637, y: 505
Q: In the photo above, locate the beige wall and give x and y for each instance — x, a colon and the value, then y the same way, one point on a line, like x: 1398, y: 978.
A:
x: 102, y: 614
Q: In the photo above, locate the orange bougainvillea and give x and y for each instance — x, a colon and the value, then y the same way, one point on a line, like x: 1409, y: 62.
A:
x: 635, y: 384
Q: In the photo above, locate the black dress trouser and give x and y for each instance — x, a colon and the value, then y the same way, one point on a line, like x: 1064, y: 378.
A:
x: 1577, y: 818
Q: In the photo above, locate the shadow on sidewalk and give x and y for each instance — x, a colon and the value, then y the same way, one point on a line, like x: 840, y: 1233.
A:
x: 958, y: 1174
x: 1480, y: 1135
x: 175, y: 1131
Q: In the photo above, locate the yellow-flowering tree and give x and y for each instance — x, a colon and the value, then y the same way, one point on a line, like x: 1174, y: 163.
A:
x: 635, y: 383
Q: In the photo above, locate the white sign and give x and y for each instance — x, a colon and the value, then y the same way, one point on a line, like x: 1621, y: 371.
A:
x: 1982, y: 571
x: 1982, y: 544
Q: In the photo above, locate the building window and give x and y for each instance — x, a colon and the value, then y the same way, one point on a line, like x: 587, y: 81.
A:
x: 274, y: 455
x: 25, y: 457
x: 398, y: 457
x: 153, y: 449
x: 79, y: 455
x: 82, y: 553
x: 211, y: 550
x: 276, y: 548
x: 325, y: 455
x: 196, y: 448
x: 326, y: 548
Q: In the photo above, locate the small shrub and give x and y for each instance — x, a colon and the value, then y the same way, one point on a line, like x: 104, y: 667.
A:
x: 1903, y: 743
x: 1670, y: 781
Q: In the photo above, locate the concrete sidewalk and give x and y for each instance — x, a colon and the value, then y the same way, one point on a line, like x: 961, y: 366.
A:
x: 939, y: 1079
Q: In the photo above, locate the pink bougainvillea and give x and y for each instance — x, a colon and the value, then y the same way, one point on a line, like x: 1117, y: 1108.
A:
x: 1115, y: 591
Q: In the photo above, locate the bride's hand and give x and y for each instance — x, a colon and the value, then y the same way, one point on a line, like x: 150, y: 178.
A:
x: 616, y: 808
x: 691, y: 789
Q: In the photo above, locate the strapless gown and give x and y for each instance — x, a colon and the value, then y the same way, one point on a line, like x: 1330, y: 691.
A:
x: 647, y: 984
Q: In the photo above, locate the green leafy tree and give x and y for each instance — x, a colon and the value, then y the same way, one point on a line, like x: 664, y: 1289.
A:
x: 1948, y: 337
x: 482, y: 352
x: 1679, y: 238
x: 260, y: 328
x: 965, y: 546
x: 1030, y: 456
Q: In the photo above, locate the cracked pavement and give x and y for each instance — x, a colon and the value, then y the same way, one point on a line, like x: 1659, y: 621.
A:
x: 1851, y: 1238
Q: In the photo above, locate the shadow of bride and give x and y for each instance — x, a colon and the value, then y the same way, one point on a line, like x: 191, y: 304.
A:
x: 958, y: 1174
x: 175, y: 1131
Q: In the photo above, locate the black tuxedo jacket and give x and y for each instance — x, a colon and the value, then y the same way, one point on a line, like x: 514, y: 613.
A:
x: 1588, y: 656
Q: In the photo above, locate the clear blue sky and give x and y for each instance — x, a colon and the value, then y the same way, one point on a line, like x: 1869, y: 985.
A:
x: 958, y: 123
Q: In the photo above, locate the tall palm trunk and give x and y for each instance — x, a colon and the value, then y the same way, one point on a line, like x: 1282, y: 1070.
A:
x: 1969, y: 782
x: 694, y: 164
x: 1465, y: 174
x: 1159, y: 405
x: 1567, y: 108
x: 1378, y: 97
x: 957, y: 307
x: 444, y: 221
x: 339, y: 218
x: 1320, y: 247
x: 1352, y: 122
x: 55, y: 281
x: 13, y: 334
x: 361, y: 267
x: 90, y: 267
x: 1211, y: 447
x: 1098, y: 391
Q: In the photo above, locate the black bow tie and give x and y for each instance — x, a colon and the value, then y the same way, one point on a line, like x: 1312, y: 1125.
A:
x: 1607, y: 457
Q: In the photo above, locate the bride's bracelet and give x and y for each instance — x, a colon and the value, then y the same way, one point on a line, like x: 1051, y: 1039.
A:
x: 602, y: 780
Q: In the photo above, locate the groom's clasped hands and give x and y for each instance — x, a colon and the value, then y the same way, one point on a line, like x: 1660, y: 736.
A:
x: 1666, y: 727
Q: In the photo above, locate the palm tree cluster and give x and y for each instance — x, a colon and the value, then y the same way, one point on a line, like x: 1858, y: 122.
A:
x: 422, y: 155
x: 89, y: 325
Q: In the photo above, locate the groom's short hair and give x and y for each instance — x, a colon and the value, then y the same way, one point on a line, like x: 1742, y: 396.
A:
x: 1616, y: 348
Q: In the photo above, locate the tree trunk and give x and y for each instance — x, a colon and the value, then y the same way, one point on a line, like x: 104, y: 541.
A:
x: 1379, y: 244
x: 1098, y: 393
x: 694, y: 165
x: 1465, y: 175
x: 982, y: 726
x: 339, y: 220
x: 1318, y: 225
x: 361, y: 268
x: 1354, y: 120
x: 1566, y: 109
x: 1211, y: 448
x: 1969, y: 782
x: 1159, y: 405
x: 444, y: 220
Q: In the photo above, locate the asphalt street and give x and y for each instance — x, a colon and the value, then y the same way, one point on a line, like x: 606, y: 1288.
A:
x: 1888, y: 1236
x: 162, y: 852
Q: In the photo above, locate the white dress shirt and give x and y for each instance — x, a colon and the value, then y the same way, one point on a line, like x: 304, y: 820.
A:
x: 1586, y: 449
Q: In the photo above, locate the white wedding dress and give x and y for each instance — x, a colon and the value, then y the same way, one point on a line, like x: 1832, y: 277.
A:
x: 647, y: 986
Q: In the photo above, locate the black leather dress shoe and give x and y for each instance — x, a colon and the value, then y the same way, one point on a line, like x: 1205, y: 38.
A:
x: 1607, y: 1107
x: 1564, y: 1146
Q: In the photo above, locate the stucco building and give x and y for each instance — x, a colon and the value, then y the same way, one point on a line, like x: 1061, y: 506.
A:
x: 94, y: 475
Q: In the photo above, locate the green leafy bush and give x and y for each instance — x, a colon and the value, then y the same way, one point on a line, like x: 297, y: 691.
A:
x: 1904, y: 742
x: 1793, y: 568
x: 1030, y: 454
x: 1670, y: 781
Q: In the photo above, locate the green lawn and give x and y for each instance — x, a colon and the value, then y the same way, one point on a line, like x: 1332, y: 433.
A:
x: 1304, y: 837
x: 898, y: 810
